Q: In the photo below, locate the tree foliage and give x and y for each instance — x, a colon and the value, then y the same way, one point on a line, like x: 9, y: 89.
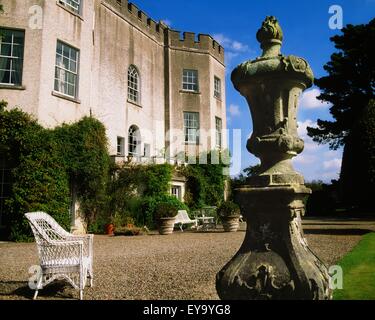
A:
x: 358, y: 170
x: 349, y: 85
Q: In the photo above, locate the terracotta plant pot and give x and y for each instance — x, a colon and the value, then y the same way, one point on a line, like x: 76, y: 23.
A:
x: 166, y: 225
x: 231, y: 223
x: 110, y: 229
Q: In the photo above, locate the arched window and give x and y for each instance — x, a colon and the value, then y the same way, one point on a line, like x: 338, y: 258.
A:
x: 134, y: 141
x: 134, y: 91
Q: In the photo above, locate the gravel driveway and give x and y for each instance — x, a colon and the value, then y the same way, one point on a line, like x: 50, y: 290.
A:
x: 180, y: 266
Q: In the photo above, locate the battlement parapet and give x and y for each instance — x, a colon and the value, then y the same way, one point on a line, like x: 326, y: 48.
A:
x: 138, y: 18
x: 191, y: 41
x: 163, y: 34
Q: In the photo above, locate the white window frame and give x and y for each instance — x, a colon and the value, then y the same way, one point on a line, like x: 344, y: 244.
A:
x: 67, y: 67
x: 219, y: 132
x: 121, y: 146
x: 134, y: 85
x: 190, y: 80
x: 178, y: 193
x: 217, y: 87
x: 134, y: 141
x: 73, y: 5
x: 11, y: 58
x: 191, y: 128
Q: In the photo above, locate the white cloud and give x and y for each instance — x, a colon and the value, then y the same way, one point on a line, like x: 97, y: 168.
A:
x: 309, y: 100
x: 167, y: 22
x: 230, y: 44
x: 229, y: 56
x: 234, y: 110
x: 311, y: 146
x: 302, y: 128
x: 334, y: 164
x: 304, y: 159
x: 317, y: 162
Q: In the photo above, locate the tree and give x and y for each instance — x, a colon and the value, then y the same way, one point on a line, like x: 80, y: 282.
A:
x: 248, y: 172
x: 349, y: 85
x: 358, y: 169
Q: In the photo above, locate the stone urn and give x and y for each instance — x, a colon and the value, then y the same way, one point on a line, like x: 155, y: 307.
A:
x: 166, y: 225
x: 229, y: 213
x: 275, y: 261
x: 231, y: 223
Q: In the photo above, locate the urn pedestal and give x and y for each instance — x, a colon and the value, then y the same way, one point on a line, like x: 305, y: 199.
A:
x: 274, y: 262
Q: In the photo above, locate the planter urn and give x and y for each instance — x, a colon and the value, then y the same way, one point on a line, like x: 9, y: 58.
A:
x: 110, y: 229
x: 275, y: 261
x: 231, y: 223
x: 166, y: 225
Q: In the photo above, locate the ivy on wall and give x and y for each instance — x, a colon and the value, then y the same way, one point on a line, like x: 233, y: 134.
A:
x: 205, y: 182
x: 47, y: 165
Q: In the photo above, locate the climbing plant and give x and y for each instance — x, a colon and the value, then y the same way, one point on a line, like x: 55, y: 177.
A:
x: 205, y: 182
x: 47, y: 165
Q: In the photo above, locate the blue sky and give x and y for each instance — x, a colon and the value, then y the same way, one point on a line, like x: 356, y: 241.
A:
x: 306, y: 34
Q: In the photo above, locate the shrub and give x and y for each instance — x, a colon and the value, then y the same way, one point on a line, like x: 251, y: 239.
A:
x: 150, y: 205
x: 129, y: 231
x: 165, y: 210
x: 205, y: 182
x: 228, y: 209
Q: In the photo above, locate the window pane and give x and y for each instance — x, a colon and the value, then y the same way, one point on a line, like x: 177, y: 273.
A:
x: 191, y: 127
x: 7, y: 35
x: 59, y: 48
x: 6, y: 50
x: 74, y: 5
x: 65, y: 50
x: 217, y: 88
x: 133, y: 84
x: 66, y: 63
x: 190, y: 80
x: 17, y: 51
x: 66, y: 71
x: 4, y: 76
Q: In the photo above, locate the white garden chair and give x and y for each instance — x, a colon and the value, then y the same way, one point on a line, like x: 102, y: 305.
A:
x: 183, y: 218
x: 62, y: 255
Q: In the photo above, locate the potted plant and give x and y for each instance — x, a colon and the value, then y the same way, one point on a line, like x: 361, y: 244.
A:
x: 110, y: 229
x: 229, y: 214
x: 165, y: 217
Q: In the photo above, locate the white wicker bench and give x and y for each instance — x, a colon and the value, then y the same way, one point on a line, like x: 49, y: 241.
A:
x: 183, y: 218
x: 61, y: 254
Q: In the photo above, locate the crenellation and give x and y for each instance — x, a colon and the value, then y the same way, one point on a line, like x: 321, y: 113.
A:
x: 142, y: 16
x: 205, y: 41
x: 174, y: 38
x: 152, y: 24
x: 189, y: 39
x: 133, y: 8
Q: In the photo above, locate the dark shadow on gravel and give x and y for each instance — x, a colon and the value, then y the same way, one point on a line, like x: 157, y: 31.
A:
x: 21, y: 289
x: 338, y: 232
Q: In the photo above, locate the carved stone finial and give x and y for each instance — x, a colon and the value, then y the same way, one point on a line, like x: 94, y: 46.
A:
x: 270, y: 36
x: 270, y: 30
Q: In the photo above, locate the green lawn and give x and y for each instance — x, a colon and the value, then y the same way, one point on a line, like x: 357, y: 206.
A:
x: 359, y: 272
